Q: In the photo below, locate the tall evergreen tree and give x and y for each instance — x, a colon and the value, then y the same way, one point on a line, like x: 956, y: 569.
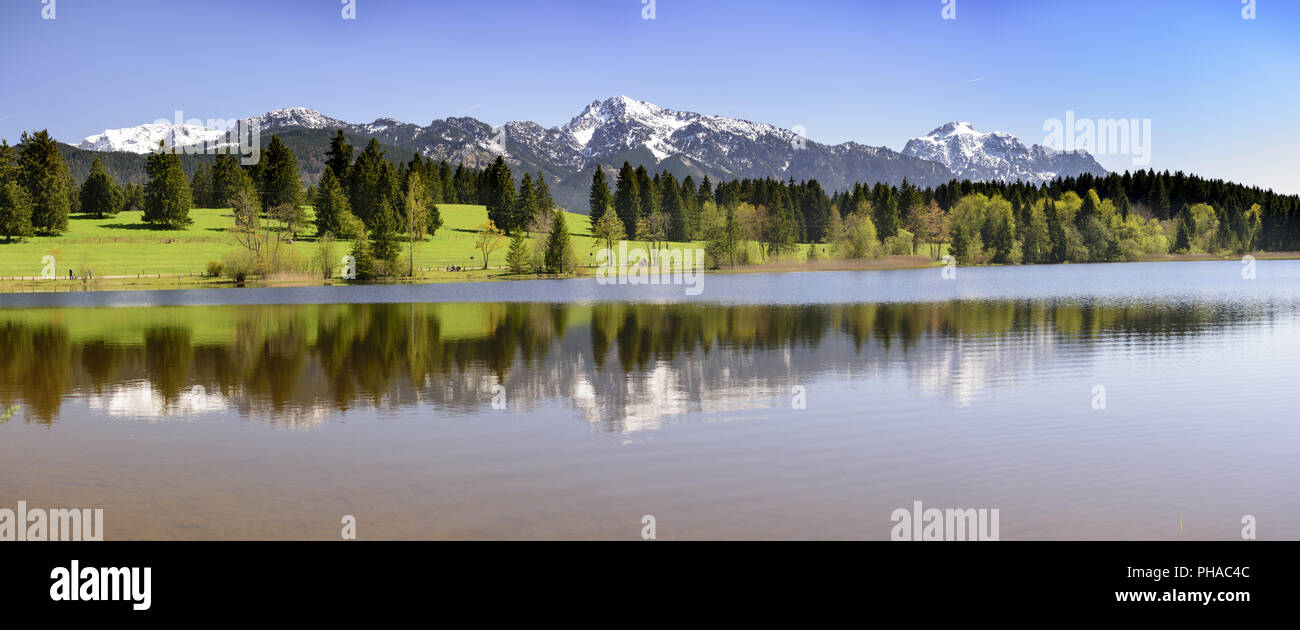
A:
x: 226, y: 178
x: 559, y: 256
x: 599, y: 198
x: 670, y: 204
x: 339, y: 156
x: 200, y: 187
x: 498, y: 194
x: 368, y: 186
x: 167, y: 199
x: 333, y: 214
x: 45, y: 177
x: 15, y: 210
x: 649, y: 196
x: 627, y: 198
x: 542, y: 191
x: 280, y: 184
x: 99, y: 195
x: 525, y: 205
x: 706, y: 191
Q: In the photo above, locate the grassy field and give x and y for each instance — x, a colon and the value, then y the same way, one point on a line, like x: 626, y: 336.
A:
x: 125, y: 246
x: 123, y: 252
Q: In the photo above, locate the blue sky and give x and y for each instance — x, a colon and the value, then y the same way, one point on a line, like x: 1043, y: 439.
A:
x: 1221, y: 91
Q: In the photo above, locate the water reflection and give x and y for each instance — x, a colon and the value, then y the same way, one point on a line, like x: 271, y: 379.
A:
x: 623, y: 366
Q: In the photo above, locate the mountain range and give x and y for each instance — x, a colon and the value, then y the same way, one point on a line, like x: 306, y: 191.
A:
x: 622, y: 129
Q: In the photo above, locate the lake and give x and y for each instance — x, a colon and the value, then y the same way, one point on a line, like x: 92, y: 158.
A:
x: 1116, y: 401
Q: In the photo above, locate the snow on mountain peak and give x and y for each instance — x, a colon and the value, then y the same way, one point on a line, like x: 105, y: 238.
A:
x: 995, y: 155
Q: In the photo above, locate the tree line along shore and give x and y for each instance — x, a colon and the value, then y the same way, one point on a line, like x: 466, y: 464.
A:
x: 260, y: 221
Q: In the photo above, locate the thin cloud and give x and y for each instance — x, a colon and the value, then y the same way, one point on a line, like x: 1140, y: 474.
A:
x: 973, y: 80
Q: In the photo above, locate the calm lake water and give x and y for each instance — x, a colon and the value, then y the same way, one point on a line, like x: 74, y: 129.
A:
x: 568, y: 409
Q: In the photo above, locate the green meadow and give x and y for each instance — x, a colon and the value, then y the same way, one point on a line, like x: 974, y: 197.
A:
x: 123, y: 245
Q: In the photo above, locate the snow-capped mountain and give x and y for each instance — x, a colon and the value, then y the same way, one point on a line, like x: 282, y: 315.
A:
x: 996, y: 155
x: 145, y: 138
x: 622, y: 129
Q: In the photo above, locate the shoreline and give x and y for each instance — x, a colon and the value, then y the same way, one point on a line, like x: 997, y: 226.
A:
x: 496, y: 274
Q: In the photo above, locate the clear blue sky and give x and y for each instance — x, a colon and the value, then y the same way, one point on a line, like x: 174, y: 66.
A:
x: 1223, y: 93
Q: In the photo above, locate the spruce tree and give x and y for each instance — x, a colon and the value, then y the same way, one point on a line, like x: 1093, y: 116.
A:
x: 368, y: 184
x: 599, y: 198
x: 167, y: 199
x: 339, y: 156
x: 227, y: 178
x: 200, y: 187
x: 15, y: 210
x: 705, y: 193
x: 649, y: 194
x: 525, y: 205
x: 280, y: 184
x: 99, y: 195
x: 332, y: 207
x: 627, y: 198
x: 544, y: 202
x: 518, y: 254
x: 45, y: 177
x: 670, y: 205
x: 383, y: 238
x: 498, y: 194
x: 559, y: 251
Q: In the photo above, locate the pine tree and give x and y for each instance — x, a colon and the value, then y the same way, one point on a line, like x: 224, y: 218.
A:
x: 99, y: 195
x: 649, y: 194
x: 44, y: 176
x: 15, y: 210
x: 1057, y: 243
x: 706, y: 191
x: 559, y: 251
x: 1183, y: 238
x: 544, y: 202
x: 599, y: 198
x: 280, y: 183
x: 884, y: 207
x: 200, y: 187
x: 333, y: 215
x: 361, y: 254
x: 627, y: 198
x: 167, y: 199
x: 960, y: 243
x: 368, y: 185
x: 525, y: 205
x: 518, y: 254
x: 670, y: 204
x: 383, y: 238
x: 226, y: 179
x: 497, y: 192
x: 1159, y: 201
x: 1089, y: 210
x: 339, y: 156
x: 690, y: 209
